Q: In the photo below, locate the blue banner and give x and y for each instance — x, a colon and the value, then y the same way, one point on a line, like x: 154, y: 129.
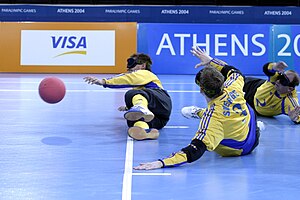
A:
x: 151, y: 14
x: 286, y: 45
x: 245, y: 46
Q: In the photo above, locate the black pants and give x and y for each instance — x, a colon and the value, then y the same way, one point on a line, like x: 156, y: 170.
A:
x: 250, y: 88
x: 159, y: 103
x: 257, y: 136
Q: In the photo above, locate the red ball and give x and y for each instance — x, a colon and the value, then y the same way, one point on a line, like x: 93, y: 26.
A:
x: 52, y: 90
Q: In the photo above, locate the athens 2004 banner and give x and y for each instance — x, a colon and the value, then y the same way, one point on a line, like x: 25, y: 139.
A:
x: 246, y: 46
x: 66, y: 47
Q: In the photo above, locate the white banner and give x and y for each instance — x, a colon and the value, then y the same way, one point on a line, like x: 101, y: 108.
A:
x: 68, y: 48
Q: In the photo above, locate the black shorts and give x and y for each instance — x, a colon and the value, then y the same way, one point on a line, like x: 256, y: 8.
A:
x: 250, y: 88
x: 159, y: 103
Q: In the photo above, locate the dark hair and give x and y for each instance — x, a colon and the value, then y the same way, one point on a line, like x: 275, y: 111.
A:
x: 296, y: 79
x: 210, y: 81
x: 139, y: 58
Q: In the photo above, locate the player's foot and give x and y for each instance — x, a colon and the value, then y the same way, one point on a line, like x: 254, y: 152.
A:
x: 191, y: 112
x: 138, y: 112
x: 261, y: 125
x: 139, y: 133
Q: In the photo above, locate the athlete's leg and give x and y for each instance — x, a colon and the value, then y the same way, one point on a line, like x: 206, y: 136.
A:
x: 137, y: 104
x: 250, y: 88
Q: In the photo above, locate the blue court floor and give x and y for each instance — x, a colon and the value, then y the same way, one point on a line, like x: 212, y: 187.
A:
x: 78, y: 149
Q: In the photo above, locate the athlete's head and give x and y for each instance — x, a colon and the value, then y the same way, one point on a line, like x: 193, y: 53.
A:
x: 287, y: 81
x: 139, y: 61
x: 210, y: 81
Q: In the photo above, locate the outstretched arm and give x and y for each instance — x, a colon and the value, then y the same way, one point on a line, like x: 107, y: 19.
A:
x: 220, y: 65
x: 271, y: 68
x: 149, y: 165
x: 93, y: 80
x: 202, y: 55
x: 280, y: 66
x: 188, y: 154
x: 294, y: 114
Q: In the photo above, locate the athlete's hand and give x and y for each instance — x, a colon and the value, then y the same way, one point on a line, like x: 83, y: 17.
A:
x: 280, y: 66
x: 294, y: 114
x: 149, y: 165
x: 202, y: 55
x: 93, y: 80
x: 122, y: 108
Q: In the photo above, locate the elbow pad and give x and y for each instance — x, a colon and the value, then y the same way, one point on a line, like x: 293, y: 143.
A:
x: 195, y: 150
x: 228, y: 70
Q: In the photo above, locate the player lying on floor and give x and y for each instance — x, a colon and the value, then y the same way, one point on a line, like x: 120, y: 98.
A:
x: 148, y: 104
x: 228, y: 125
x: 268, y: 98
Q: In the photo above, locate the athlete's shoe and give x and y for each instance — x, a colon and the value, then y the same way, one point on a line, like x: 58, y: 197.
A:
x: 261, y: 125
x: 191, y: 112
x: 139, y: 133
x: 138, y: 112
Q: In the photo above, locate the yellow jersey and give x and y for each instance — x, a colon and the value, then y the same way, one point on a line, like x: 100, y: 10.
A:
x: 138, y: 79
x: 268, y: 102
x: 228, y: 124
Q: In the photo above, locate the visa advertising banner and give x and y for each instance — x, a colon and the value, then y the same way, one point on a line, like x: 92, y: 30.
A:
x: 245, y: 46
x: 68, y: 48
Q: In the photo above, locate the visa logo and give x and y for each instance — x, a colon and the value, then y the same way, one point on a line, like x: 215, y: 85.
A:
x: 69, y: 42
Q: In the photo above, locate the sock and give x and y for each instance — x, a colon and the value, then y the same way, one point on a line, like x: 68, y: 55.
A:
x: 141, y: 124
x: 140, y: 99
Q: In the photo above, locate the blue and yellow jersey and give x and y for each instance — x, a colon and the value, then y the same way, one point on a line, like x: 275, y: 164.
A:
x: 227, y: 126
x: 268, y: 102
x: 137, y: 80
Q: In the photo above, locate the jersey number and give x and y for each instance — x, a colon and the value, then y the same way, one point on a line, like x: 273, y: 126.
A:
x: 237, y: 108
x: 258, y: 103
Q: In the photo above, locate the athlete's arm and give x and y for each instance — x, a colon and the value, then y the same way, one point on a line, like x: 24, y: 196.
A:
x: 220, y: 65
x: 271, y: 68
x: 133, y: 79
x: 188, y: 154
x: 268, y: 69
x: 225, y: 69
x: 294, y: 114
x: 93, y: 80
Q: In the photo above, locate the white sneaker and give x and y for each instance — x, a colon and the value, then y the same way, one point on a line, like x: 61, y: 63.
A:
x: 138, y: 112
x: 261, y: 125
x: 191, y: 112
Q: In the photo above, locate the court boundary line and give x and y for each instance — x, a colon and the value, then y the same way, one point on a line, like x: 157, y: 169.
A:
x: 127, y: 177
x: 151, y: 174
x: 101, y: 90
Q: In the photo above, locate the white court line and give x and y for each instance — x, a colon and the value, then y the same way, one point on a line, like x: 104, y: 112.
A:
x: 96, y: 90
x: 176, y: 127
x: 9, y: 90
x: 104, y: 90
x: 67, y: 82
x: 89, y: 90
x: 152, y: 174
x: 127, y: 178
x: 16, y: 99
